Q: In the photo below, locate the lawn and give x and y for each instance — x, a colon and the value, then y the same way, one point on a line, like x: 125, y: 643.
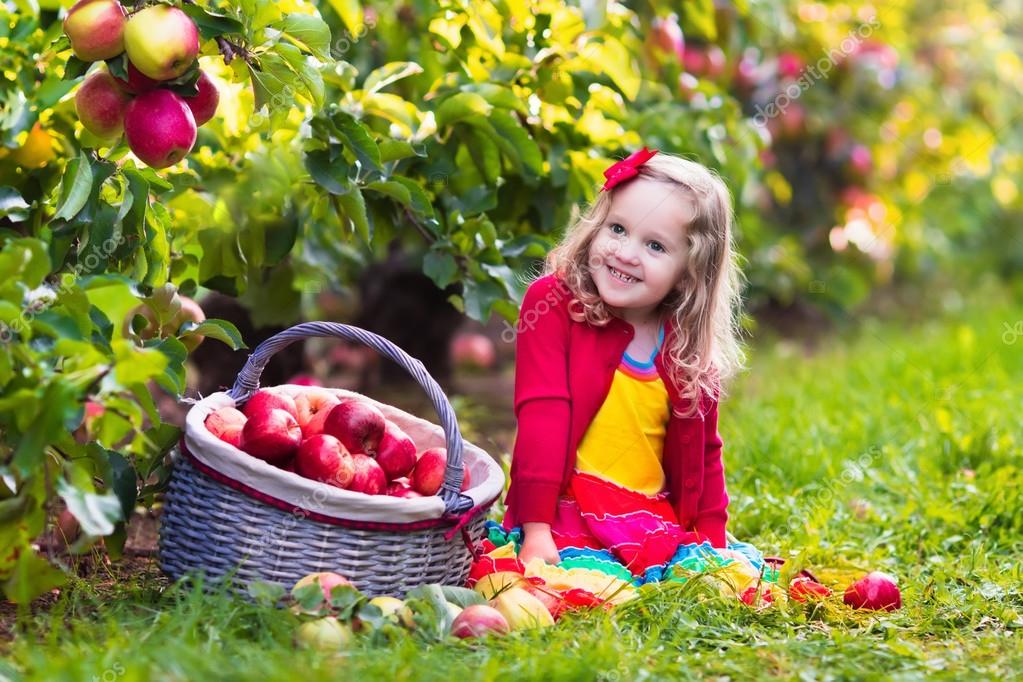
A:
x: 893, y: 446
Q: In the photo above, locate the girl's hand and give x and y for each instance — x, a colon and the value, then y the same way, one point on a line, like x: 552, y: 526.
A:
x: 538, y: 542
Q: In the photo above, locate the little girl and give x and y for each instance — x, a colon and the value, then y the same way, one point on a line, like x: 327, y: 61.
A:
x: 621, y: 351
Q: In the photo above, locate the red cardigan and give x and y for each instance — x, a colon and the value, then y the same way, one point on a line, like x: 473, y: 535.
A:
x: 563, y: 373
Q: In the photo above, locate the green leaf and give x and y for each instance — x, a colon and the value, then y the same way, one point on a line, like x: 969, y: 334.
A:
x: 305, y: 70
x: 75, y: 68
x: 135, y: 365
x: 350, y: 12
x: 479, y: 297
x: 462, y: 596
x: 460, y: 106
x: 75, y: 187
x: 222, y: 330
x: 354, y: 206
x: 211, y: 24
x: 514, y: 138
x: 12, y: 205
x: 122, y: 482
x: 389, y: 73
x: 698, y: 18
x: 421, y: 203
x: 96, y: 512
x: 358, y: 139
x: 395, y: 190
x: 31, y: 577
x: 441, y: 267
x: 61, y: 411
x: 309, y: 32
x: 330, y: 175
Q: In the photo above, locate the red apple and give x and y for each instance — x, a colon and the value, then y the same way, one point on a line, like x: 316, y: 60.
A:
x: 369, y: 477
x: 802, y: 588
x: 100, y: 104
x: 96, y: 29
x: 264, y: 401
x: 400, y: 487
x: 397, y: 453
x: 312, y: 409
x: 326, y: 580
x: 204, y: 104
x: 226, y: 424
x: 668, y: 36
x: 137, y: 82
x: 473, y: 350
x: 357, y: 424
x: 790, y: 65
x: 304, y: 380
x: 323, y: 458
x: 160, y: 128
x: 428, y: 474
x: 749, y: 596
x: 271, y: 435
x: 876, y: 591
x: 477, y: 620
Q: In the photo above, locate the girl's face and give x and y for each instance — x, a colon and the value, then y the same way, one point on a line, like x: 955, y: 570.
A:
x: 639, y: 252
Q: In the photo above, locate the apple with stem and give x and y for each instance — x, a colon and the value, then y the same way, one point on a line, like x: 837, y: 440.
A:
x: 162, y: 41
x: 312, y: 409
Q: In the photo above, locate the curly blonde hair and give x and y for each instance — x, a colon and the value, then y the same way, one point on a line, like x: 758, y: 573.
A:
x: 705, y: 308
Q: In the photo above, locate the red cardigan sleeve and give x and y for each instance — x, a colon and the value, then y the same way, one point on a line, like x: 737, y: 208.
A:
x: 542, y: 401
x: 712, y: 509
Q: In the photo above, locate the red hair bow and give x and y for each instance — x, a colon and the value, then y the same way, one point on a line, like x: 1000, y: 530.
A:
x: 626, y: 168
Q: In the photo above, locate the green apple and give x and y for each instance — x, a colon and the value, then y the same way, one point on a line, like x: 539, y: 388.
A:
x: 161, y: 41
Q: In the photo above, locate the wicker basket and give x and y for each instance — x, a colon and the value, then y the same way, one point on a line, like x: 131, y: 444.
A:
x: 227, y: 513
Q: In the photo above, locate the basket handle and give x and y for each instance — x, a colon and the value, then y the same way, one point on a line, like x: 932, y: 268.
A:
x: 247, y: 383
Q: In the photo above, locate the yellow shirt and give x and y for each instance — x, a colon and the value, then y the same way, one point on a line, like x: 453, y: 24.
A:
x: 624, y: 443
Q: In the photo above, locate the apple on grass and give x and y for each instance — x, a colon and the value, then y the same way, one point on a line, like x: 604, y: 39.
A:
x: 312, y: 408
x: 100, y: 104
x: 226, y: 424
x: 160, y: 128
x: 325, y: 634
x: 325, y: 579
x: 96, y: 29
x: 477, y: 620
x: 162, y: 41
x: 271, y: 435
x: 323, y: 458
x: 876, y: 590
x: 397, y: 453
x: 357, y: 424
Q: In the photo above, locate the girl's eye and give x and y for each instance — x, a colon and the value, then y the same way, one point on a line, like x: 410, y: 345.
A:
x: 617, y: 229
x: 657, y: 246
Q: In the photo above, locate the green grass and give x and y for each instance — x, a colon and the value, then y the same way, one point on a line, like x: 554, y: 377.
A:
x: 930, y: 413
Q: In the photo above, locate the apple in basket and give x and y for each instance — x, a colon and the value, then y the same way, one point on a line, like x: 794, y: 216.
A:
x: 369, y: 477
x: 226, y: 424
x: 357, y: 424
x: 428, y: 475
x: 323, y: 458
x: 262, y: 402
x: 312, y: 408
x: 400, y: 487
x: 272, y: 435
x: 397, y: 453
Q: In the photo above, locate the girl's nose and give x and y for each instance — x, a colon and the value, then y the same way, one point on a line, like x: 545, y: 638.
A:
x: 626, y: 250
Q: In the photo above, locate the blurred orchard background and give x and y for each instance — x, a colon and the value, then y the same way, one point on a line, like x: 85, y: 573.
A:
x: 402, y: 166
